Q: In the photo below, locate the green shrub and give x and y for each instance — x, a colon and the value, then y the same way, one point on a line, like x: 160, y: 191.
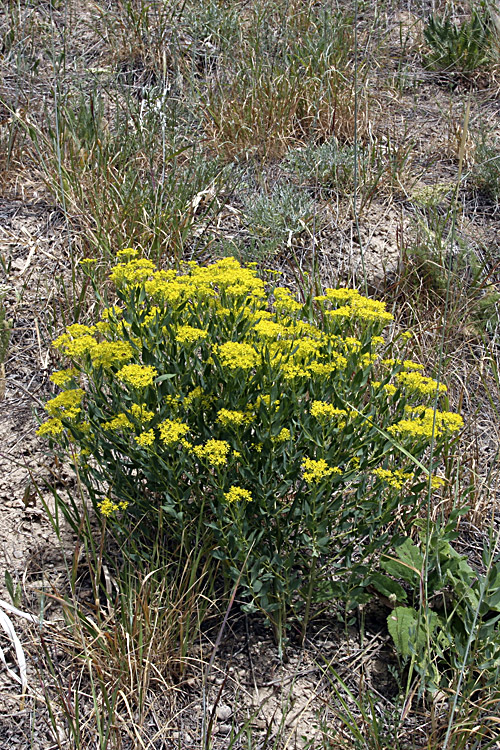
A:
x: 465, y: 48
x: 293, y: 431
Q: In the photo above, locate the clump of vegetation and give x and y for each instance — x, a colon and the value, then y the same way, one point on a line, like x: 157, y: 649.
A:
x: 486, y: 168
x: 173, y: 412
x: 464, y: 47
x: 328, y: 164
x: 277, y: 218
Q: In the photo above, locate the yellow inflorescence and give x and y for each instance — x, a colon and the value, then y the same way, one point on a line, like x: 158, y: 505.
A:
x: 66, y: 404
x: 234, y: 355
x: 282, y: 436
x: 172, y: 430
x: 325, y: 413
x: 145, y: 439
x: 414, y: 382
x: 230, y: 418
x: 396, y: 479
x: 214, y: 452
x: 63, y: 377
x: 109, y: 353
x: 141, y: 413
x: 238, y: 494
x: 421, y: 425
x: 108, y: 507
x: 120, y: 422
x: 314, y: 471
x: 138, y: 376
x: 51, y: 427
x: 190, y: 335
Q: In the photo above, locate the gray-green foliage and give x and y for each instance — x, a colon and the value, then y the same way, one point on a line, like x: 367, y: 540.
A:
x: 278, y: 217
x: 486, y: 169
x: 327, y: 165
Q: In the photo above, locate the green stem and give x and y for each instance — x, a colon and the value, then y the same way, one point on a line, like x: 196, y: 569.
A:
x: 310, y: 588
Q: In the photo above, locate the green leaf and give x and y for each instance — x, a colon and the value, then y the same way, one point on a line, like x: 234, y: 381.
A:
x: 408, y: 566
x: 387, y: 586
x: 402, y: 625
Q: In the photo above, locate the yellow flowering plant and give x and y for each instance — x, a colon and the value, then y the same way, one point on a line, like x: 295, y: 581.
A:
x: 292, y: 430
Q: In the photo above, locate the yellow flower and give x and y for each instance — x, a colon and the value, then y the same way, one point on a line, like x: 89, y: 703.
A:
x: 237, y: 494
x: 437, y: 482
x: 138, y: 376
x: 190, y: 335
x: 417, y: 383
x: 127, y: 252
x: 77, y: 330
x: 421, y: 426
x: 282, y: 436
x: 108, y: 507
x: 63, y: 377
x: 109, y: 353
x: 396, y: 479
x: 268, y: 329
x: 109, y: 313
x: 120, y: 422
x: 193, y: 395
x: 234, y: 355
x: 215, y: 452
x: 315, y: 471
x: 66, y: 404
x: 172, y: 431
x: 141, y: 413
x: 325, y: 412
x: 50, y: 427
x: 134, y: 272
x: 230, y: 418
x: 145, y: 439
x: 284, y: 302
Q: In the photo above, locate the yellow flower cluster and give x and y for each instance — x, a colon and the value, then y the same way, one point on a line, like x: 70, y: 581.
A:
x: 194, y: 395
x: 268, y: 329
x: 172, y: 431
x: 282, y: 436
x: 120, y: 422
x: 285, y: 302
x: 190, y: 335
x: 108, y: 507
x: 235, y: 355
x: 145, y: 439
x: 214, y: 452
x: 138, y: 376
x: 353, y: 305
x: 63, y: 377
x: 414, y: 382
x: 66, y: 404
x: 325, y: 413
x: 238, y: 494
x: 141, y: 413
x: 109, y: 353
x: 314, y: 471
x: 396, y: 479
x: 229, y: 418
x: 421, y: 426
x: 51, y: 427
x: 135, y: 271
x: 110, y: 313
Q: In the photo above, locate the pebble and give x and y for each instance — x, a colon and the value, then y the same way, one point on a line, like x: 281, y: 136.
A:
x: 223, y: 711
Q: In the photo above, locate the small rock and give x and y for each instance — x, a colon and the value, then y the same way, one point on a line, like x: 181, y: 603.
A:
x: 223, y: 711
